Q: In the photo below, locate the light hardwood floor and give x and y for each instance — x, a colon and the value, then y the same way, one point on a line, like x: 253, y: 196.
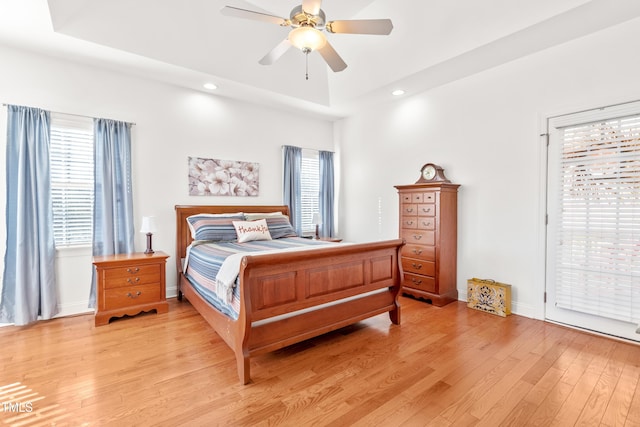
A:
x: 442, y: 366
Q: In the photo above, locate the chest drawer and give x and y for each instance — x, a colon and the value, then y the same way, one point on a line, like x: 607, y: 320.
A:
x: 409, y: 222
x: 429, y: 197
x: 130, y: 296
x: 427, y: 253
x: 422, y: 237
x: 426, y: 209
x: 133, y: 275
x: 426, y: 223
x: 423, y: 283
x: 418, y: 266
x: 410, y: 209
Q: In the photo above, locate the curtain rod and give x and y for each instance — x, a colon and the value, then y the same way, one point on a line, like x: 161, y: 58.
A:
x: 78, y: 115
x: 302, y: 148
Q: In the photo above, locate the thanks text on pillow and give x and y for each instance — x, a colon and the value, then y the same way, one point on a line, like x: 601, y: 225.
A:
x: 260, y: 228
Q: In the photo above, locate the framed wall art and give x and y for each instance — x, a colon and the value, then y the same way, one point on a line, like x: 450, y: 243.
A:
x: 213, y: 177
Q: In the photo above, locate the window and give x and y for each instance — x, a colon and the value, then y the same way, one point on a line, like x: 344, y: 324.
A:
x: 310, y: 182
x: 594, y: 220
x: 71, y: 154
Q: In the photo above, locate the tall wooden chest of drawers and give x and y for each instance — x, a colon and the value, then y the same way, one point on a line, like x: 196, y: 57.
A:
x: 128, y: 284
x: 428, y: 224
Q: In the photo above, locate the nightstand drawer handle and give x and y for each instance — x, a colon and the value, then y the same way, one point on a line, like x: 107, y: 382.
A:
x: 426, y: 210
x: 417, y: 236
x: 416, y: 282
x: 426, y: 224
x: 417, y: 251
x: 137, y: 279
x: 409, y: 222
x: 416, y: 266
x: 133, y: 270
x: 130, y: 295
x: 409, y: 209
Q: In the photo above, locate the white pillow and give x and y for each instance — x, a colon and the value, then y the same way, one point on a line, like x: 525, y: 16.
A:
x: 254, y: 216
x: 252, y: 230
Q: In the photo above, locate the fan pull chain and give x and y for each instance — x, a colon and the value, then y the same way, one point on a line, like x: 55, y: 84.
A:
x: 306, y: 64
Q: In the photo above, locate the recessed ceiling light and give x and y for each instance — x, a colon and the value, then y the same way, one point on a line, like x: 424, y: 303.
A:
x: 210, y: 86
x: 397, y: 92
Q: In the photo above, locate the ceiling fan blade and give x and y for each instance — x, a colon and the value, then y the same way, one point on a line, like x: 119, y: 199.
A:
x: 312, y: 7
x: 276, y: 53
x: 332, y: 58
x: 361, y: 26
x: 256, y: 16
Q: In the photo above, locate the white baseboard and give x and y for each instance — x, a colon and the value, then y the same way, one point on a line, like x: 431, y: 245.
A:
x: 74, y: 309
x: 525, y: 310
x: 172, y: 292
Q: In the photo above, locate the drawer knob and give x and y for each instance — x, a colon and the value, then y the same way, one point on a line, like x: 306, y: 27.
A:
x: 417, y: 236
x: 416, y: 266
x: 409, y: 209
x: 130, y: 295
x: 426, y: 224
x: 417, y: 251
x: 416, y: 281
x: 409, y: 222
x: 426, y: 209
x: 133, y: 270
x: 137, y: 279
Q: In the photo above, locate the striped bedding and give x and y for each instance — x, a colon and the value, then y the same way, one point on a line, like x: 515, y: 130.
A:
x: 204, y: 261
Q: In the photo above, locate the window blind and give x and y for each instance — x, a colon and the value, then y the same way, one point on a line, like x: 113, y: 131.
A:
x: 72, y: 171
x: 310, y: 182
x: 598, y: 233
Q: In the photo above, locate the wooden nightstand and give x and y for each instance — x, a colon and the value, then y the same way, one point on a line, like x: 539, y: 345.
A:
x: 129, y: 284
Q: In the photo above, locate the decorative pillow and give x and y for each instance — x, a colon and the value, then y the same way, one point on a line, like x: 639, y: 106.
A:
x: 214, y: 227
x: 278, y: 223
x: 252, y: 230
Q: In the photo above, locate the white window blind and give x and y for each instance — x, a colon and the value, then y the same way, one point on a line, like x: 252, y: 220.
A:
x: 310, y: 189
x: 71, y: 154
x: 597, y: 239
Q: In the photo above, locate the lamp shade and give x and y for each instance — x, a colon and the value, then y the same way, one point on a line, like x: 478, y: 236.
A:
x: 307, y: 38
x: 148, y: 224
x: 316, y: 219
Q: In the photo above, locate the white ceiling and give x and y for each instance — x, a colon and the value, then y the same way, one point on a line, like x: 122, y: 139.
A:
x: 189, y: 42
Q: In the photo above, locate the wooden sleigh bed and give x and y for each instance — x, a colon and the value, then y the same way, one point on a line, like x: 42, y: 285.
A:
x: 289, y: 297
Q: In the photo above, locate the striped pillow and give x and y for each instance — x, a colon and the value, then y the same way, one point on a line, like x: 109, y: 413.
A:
x: 279, y: 227
x: 214, y: 227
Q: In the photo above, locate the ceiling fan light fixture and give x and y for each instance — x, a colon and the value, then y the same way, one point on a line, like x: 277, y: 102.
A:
x: 307, y: 38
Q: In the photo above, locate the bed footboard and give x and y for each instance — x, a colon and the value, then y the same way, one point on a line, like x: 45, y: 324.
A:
x: 290, y: 297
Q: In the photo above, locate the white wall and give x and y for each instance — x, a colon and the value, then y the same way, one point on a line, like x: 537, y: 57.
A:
x: 171, y: 124
x: 484, y: 130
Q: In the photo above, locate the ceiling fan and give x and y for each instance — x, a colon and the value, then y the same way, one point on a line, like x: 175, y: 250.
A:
x: 308, y: 21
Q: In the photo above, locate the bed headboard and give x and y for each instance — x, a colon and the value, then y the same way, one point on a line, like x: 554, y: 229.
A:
x: 183, y: 234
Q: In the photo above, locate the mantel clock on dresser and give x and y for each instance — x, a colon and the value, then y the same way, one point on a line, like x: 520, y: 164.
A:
x: 428, y: 224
